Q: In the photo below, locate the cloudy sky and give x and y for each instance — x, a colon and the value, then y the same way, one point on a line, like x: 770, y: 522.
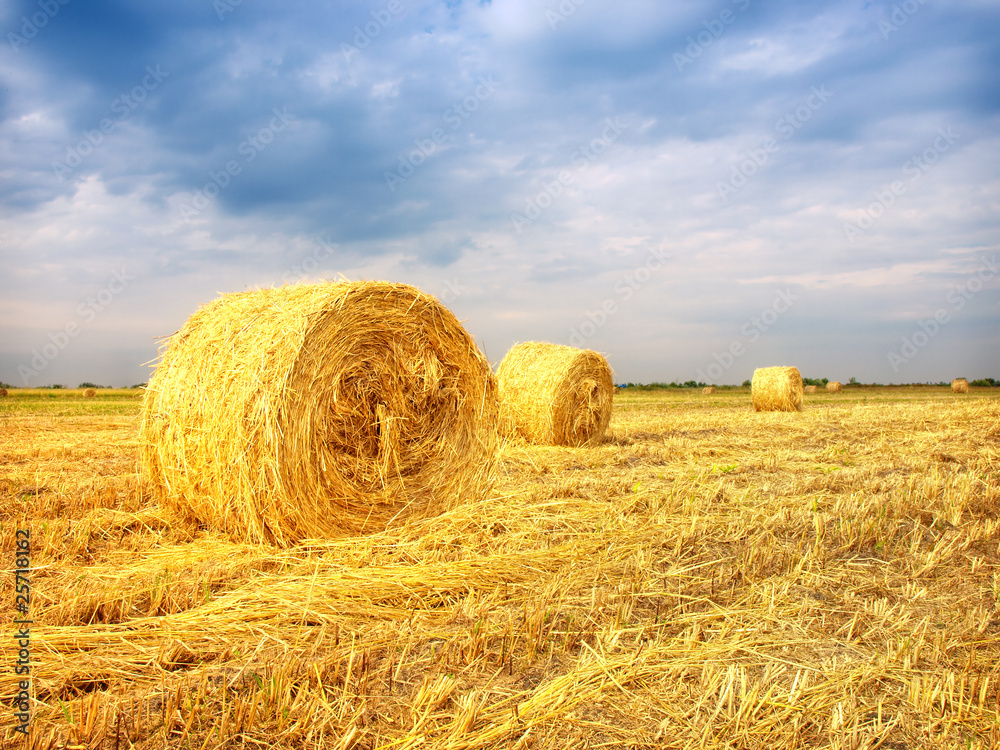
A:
x: 694, y: 189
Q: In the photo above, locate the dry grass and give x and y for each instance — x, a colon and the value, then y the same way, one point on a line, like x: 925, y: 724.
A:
x: 776, y: 389
x: 706, y: 577
x: 555, y: 395
x: 959, y: 385
x: 318, y: 409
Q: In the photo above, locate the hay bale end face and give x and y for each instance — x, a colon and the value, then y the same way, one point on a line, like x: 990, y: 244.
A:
x: 3, y: 393
x: 555, y: 395
x: 812, y: 389
x: 89, y: 393
x: 708, y: 390
x: 319, y: 410
x: 776, y: 389
x: 834, y: 386
x: 959, y: 385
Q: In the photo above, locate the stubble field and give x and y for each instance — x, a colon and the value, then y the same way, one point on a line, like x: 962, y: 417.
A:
x: 707, y: 577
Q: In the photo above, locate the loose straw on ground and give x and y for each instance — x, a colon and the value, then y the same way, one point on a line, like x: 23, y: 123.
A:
x: 318, y: 410
x: 555, y: 395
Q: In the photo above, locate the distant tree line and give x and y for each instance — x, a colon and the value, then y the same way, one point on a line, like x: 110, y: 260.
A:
x: 820, y: 382
x: 662, y: 386
x: 984, y: 383
x: 59, y: 386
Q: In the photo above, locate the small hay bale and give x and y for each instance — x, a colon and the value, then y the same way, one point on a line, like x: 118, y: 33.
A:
x: 776, y: 389
x: 834, y: 386
x: 319, y: 410
x: 3, y: 393
x: 959, y: 385
x: 812, y: 389
x: 708, y: 390
x: 555, y: 395
x: 89, y: 393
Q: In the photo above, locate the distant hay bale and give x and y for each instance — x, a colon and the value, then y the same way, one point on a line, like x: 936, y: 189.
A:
x: 812, y: 389
x: 555, y: 395
x: 959, y: 385
x: 319, y: 410
x: 708, y: 390
x: 3, y: 393
x: 776, y: 389
x: 89, y: 393
x: 835, y: 386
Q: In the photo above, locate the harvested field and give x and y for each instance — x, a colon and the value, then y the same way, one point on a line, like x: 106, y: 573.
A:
x: 708, y: 576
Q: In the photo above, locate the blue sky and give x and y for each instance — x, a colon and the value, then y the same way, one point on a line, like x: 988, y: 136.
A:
x: 694, y: 189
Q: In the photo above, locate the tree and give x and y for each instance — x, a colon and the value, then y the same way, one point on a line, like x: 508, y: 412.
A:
x: 821, y: 382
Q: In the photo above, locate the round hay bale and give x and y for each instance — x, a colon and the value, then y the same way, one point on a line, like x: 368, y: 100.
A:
x: 707, y: 390
x: 834, y: 386
x: 555, y: 395
x: 319, y: 410
x: 776, y: 389
x: 959, y: 385
x: 3, y: 393
x: 812, y: 389
x: 89, y: 393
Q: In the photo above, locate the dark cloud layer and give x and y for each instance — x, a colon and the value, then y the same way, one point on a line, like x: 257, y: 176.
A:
x: 524, y: 161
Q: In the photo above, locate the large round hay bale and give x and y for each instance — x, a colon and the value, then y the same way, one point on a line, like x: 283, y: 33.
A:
x: 812, y: 389
x: 89, y: 393
x: 834, y: 386
x: 776, y: 389
x: 959, y: 385
x: 708, y: 390
x: 319, y: 410
x: 555, y: 395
